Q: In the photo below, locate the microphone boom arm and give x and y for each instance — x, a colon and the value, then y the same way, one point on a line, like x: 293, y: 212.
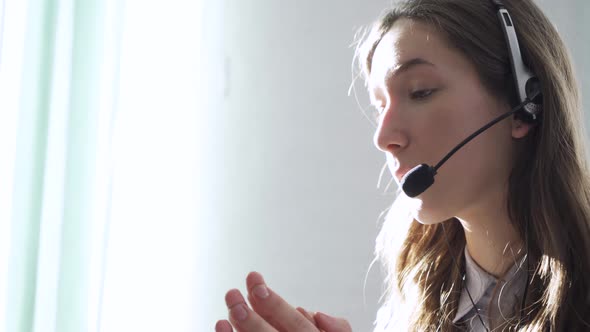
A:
x: 472, y: 136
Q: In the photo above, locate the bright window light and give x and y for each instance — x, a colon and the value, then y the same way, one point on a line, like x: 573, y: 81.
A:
x: 150, y: 260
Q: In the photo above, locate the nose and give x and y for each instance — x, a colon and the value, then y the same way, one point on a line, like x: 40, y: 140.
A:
x: 389, y: 137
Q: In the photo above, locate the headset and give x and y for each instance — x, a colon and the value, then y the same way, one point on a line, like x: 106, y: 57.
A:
x: 528, y: 88
x: 529, y: 108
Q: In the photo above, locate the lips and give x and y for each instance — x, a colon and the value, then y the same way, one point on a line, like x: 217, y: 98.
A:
x: 400, y: 172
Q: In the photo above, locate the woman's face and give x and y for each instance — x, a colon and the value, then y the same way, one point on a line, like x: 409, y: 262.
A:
x: 430, y: 98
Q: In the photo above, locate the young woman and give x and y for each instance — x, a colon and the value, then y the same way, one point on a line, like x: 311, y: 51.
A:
x: 501, y: 239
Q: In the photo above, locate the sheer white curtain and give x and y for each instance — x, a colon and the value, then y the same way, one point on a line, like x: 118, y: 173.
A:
x: 99, y: 138
x: 56, y: 77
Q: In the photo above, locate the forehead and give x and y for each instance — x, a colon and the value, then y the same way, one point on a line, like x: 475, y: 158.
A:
x: 407, y: 40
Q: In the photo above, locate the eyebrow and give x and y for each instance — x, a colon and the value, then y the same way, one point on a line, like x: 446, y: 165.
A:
x: 404, y: 67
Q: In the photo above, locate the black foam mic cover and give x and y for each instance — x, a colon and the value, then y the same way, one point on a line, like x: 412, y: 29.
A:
x: 417, y: 180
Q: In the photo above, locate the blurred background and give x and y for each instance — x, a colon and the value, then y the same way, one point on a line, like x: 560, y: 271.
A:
x: 154, y: 153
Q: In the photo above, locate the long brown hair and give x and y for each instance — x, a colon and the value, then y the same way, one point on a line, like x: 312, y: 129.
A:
x: 549, y: 187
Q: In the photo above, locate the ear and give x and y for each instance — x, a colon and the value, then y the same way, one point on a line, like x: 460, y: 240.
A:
x: 520, y: 128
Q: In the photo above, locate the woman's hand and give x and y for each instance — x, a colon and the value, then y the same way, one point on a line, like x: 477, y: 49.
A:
x: 270, y: 313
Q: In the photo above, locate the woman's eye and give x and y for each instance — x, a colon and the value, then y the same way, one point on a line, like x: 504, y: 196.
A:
x: 421, y: 94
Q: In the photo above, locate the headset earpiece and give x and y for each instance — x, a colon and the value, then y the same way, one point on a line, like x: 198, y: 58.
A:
x: 528, y: 87
x: 531, y: 111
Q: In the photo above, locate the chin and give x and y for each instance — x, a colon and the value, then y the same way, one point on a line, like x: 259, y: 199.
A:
x: 429, y: 219
x: 428, y: 215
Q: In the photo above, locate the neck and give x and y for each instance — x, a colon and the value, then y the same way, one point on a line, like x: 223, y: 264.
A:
x: 491, y: 239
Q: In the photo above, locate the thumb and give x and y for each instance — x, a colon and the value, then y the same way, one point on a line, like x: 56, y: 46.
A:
x: 332, y: 324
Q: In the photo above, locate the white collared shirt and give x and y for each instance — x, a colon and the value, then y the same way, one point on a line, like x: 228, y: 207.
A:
x: 494, y: 298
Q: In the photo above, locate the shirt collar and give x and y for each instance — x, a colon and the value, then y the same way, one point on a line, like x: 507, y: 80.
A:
x: 477, y: 280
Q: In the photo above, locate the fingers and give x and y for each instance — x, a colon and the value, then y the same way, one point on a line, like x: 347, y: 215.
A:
x: 223, y: 326
x: 307, y: 315
x: 273, y: 308
x: 242, y: 317
x: 332, y: 324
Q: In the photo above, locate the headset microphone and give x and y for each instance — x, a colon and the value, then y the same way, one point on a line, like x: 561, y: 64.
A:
x: 419, y: 178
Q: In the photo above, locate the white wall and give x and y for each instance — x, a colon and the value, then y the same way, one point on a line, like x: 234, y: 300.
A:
x: 290, y: 176
x: 295, y: 168
x: 571, y: 18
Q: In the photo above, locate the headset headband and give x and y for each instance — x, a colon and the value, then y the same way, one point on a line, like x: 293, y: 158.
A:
x: 527, y: 85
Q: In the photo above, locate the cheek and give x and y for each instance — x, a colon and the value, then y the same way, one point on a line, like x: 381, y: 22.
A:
x: 475, y: 169
x: 480, y: 167
x: 435, y: 136
x: 483, y: 161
